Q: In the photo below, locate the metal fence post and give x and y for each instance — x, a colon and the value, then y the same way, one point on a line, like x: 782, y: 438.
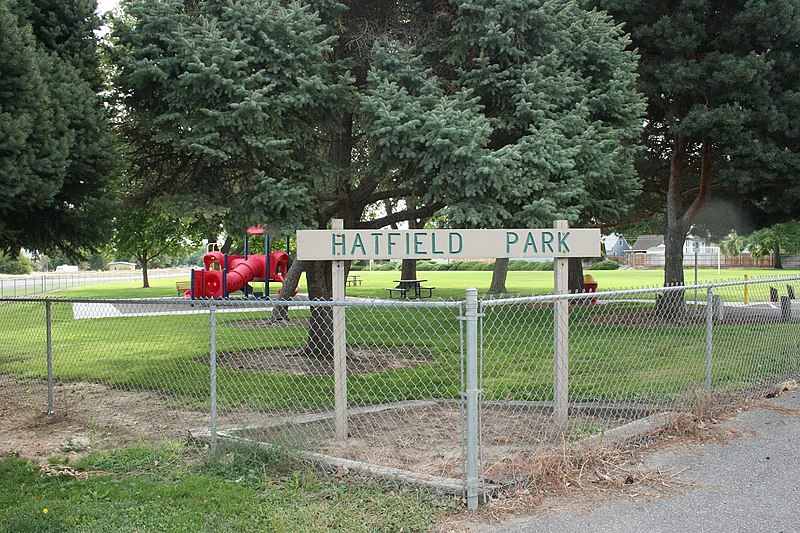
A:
x: 471, y: 393
x: 709, y: 327
x: 49, y: 320
x: 213, y: 373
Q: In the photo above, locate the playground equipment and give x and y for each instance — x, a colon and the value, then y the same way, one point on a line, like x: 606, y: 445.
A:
x: 225, y: 274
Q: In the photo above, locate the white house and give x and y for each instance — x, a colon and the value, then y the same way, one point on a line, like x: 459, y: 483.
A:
x: 121, y: 265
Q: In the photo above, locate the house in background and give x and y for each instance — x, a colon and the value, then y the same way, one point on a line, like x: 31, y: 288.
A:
x: 121, y: 265
x: 649, y: 251
x: 647, y: 242
x: 615, y: 246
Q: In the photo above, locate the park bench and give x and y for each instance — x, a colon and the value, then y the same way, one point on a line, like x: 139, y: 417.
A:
x: 183, y: 286
x: 429, y: 289
x: 353, y: 281
x: 401, y: 292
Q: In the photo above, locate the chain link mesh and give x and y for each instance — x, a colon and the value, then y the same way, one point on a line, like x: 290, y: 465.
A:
x: 132, y: 370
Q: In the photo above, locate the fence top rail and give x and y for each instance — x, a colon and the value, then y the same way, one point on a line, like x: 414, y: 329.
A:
x: 263, y: 304
x: 376, y: 302
x: 548, y: 298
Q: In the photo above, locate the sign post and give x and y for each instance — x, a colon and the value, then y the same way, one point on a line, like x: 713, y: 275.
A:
x: 561, y: 338
x: 339, y: 343
x: 339, y: 245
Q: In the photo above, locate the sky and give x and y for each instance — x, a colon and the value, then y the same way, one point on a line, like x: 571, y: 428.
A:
x: 106, y: 5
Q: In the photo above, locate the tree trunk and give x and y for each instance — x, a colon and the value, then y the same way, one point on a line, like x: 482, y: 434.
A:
x: 575, y: 278
x: 673, y: 305
x: 499, y: 276
x: 281, y: 312
x: 409, y: 269
x: 776, y: 253
x: 319, y: 344
x: 143, y: 262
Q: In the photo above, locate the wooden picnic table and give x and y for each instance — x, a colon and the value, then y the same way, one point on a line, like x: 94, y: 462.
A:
x: 353, y: 280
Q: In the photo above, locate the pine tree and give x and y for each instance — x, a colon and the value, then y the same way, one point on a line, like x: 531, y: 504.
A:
x: 504, y: 113
x: 722, y: 79
x: 56, y: 151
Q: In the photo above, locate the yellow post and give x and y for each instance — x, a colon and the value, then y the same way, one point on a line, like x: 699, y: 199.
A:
x: 746, y: 291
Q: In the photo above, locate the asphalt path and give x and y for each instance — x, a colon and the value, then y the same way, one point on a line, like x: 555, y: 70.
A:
x: 750, y: 484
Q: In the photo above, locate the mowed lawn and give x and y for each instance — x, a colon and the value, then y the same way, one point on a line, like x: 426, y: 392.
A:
x: 610, y: 360
x: 146, y: 488
x: 449, y: 284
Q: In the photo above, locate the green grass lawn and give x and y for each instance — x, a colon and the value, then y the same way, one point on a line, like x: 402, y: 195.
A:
x: 449, y: 284
x: 609, y: 361
x: 149, y: 489
x: 144, y: 489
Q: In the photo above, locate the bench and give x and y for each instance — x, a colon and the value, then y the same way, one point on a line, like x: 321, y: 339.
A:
x: 790, y: 292
x: 416, y: 293
x: 430, y: 292
x: 182, y: 287
x: 402, y: 292
x: 353, y: 281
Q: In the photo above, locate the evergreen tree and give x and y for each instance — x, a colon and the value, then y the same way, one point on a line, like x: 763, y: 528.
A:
x: 56, y: 151
x: 506, y: 113
x: 722, y: 79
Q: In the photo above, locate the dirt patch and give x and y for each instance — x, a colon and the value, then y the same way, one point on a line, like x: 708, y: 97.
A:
x: 87, y: 416
x: 428, y: 438
x: 360, y: 360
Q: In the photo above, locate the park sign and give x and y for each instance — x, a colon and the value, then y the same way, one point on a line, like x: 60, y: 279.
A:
x: 339, y: 244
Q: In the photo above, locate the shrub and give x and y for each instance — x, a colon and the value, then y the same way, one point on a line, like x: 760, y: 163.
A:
x: 605, y: 265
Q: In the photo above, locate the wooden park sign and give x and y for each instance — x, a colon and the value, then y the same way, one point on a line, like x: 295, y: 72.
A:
x: 339, y: 245
x: 345, y: 245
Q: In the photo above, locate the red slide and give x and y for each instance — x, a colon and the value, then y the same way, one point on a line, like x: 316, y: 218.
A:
x: 208, y: 283
x: 241, y: 271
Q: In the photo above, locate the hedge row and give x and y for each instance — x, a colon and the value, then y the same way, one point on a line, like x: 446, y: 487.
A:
x: 428, y: 266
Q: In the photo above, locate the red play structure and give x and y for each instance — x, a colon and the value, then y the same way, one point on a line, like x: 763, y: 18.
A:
x: 225, y: 274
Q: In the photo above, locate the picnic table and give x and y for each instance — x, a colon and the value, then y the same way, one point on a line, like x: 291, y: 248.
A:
x: 353, y: 280
x: 413, y: 286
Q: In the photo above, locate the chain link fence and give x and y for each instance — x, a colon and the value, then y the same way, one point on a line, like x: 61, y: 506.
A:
x: 48, y: 282
x: 462, y: 396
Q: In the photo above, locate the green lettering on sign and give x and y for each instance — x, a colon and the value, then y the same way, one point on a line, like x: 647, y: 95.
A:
x: 418, y: 243
x: 509, y: 236
x: 377, y: 240
x: 562, y: 242
x: 530, y: 242
x: 456, y: 238
x: 390, y: 242
x: 337, y: 243
x: 434, y: 251
x: 547, y: 241
x: 357, y: 243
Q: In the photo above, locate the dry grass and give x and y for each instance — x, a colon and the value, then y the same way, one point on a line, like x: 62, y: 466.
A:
x: 580, y: 477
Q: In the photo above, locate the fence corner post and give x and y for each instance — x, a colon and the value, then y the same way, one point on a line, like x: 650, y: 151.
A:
x: 471, y: 394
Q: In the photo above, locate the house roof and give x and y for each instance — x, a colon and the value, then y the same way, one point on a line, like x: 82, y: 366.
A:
x: 645, y: 242
x: 612, y: 240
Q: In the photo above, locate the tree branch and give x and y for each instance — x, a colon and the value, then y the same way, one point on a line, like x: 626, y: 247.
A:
x: 422, y: 212
x: 704, y: 190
